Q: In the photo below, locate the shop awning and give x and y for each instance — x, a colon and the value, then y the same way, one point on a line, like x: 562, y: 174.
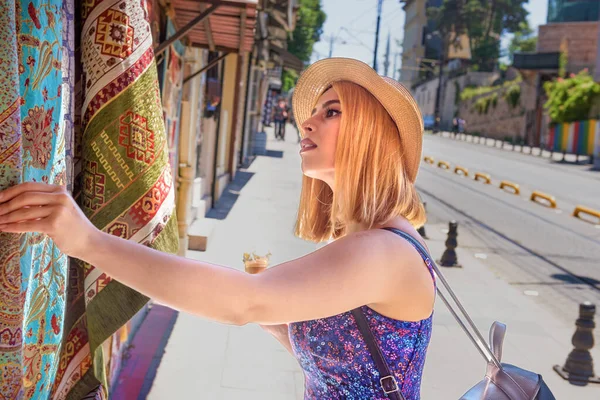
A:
x: 289, y: 60
x: 218, y: 25
x: 537, y: 61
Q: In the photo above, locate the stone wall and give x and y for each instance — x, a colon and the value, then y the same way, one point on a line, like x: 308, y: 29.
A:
x: 449, y: 105
x: 502, y: 121
x: 426, y: 93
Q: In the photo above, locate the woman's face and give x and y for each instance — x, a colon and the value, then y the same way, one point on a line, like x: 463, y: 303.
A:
x: 320, y: 138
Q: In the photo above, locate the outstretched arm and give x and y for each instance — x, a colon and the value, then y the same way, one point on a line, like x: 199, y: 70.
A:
x: 350, y: 272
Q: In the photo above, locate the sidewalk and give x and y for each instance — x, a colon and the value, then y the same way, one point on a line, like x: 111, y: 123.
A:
x: 206, y: 360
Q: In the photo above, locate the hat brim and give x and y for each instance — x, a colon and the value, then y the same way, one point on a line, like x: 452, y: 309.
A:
x: 392, y: 95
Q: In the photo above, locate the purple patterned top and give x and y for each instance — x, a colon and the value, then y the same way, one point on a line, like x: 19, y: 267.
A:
x: 337, y: 363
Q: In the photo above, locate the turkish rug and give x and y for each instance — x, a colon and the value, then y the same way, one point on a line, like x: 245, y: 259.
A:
x: 123, y: 183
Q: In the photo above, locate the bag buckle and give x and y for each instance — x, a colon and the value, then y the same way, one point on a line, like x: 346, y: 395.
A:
x: 390, y: 385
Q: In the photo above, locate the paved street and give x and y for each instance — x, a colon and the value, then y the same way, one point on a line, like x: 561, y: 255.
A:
x: 532, y: 247
x: 570, y: 184
x: 205, y: 360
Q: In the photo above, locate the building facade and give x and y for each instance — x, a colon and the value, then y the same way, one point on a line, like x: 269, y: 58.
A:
x: 421, y: 46
x: 413, y: 48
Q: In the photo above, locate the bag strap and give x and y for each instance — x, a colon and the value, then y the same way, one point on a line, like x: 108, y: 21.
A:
x: 387, y: 380
x: 477, y: 339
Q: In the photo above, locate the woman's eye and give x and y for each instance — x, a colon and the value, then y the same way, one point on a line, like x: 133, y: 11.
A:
x: 332, y: 113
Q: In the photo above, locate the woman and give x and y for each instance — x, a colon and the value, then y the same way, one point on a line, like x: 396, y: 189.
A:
x: 280, y: 117
x: 360, y: 156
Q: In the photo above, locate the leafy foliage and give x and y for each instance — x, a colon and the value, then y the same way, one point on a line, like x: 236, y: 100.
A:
x: 288, y: 80
x: 513, y: 95
x: 309, y: 28
x: 523, y: 41
x: 470, y: 92
x: 571, y: 99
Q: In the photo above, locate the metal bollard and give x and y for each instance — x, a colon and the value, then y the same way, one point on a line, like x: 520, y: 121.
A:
x: 449, y: 258
x: 421, y: 230
x: 579, y: 367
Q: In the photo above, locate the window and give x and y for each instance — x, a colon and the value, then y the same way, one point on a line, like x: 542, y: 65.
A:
x: 573, y: 10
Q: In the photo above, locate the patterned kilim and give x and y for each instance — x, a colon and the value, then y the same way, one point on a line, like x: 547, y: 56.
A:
x: 124, y: 184
x: 33, y: 272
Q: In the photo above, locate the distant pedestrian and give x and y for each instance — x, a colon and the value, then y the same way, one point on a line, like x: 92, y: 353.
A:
x: 280, y: 117
x: 462, y: 124
x: 455, y: 124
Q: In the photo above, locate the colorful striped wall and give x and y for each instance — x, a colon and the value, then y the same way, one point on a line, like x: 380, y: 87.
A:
x: 581, y: 137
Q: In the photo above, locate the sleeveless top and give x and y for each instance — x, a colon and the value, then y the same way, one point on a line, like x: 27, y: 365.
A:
x: 337, y: 363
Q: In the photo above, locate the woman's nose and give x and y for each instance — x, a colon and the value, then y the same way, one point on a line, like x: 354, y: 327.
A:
x: 308, y: 126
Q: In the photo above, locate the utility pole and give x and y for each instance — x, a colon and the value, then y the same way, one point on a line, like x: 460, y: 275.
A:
x: 596, y: 150
x: 438, y: 95
x: 396, y: 64
x: 386, y: 63
x: 331, y: 39
x: 379, y: 7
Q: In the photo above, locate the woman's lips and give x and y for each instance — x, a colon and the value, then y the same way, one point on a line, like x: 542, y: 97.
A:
x: 307, y: 145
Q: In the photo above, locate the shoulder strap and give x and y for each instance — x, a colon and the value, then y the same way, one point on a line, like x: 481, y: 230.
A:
x: 424, y: 253
x: 386, y: 379
x: 477, y: 339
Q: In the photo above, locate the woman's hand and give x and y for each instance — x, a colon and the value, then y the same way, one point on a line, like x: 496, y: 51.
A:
x: 49, y: 209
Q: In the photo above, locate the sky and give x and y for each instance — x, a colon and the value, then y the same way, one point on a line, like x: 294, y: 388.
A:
x: 352, y: 24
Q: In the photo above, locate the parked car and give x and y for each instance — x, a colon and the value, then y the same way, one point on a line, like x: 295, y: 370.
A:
x: 428, y: 122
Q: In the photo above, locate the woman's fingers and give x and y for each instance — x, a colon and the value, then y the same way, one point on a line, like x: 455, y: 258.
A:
x: 27, y: 214
x: 41, y: 226
x: 30, y: 199
x: 16, y: 190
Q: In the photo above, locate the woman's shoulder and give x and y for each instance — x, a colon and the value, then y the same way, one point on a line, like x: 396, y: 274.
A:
x: 411, y: 281
x: 382, y: 246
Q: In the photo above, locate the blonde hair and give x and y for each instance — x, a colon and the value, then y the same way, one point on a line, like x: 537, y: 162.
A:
x: 371, y: 185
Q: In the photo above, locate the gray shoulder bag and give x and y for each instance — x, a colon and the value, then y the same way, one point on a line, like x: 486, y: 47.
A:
x: 502, y: 381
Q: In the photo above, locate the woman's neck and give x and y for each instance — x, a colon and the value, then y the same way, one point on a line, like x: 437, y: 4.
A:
x: 356, y: 227
x: 397, y: 222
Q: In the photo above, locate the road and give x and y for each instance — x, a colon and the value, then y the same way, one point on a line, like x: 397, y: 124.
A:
x: 570, y: 184
x: 546, y: 252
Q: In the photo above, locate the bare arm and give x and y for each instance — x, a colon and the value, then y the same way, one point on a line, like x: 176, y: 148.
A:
x: 363, y: 268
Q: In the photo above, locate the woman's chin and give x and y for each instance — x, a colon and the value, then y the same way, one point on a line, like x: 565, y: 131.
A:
x: 315, y: 174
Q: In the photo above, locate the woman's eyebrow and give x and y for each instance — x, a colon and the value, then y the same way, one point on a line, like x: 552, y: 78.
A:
x: 327, y: 103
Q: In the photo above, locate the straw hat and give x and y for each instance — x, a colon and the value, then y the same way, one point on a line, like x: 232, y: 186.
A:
x: 394, y: 97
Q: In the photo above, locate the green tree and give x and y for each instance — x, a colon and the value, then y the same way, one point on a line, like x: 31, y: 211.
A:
x: 523, y: 41
x: 484, y: 21
x: 449, y: 22
x: 309, y: 27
